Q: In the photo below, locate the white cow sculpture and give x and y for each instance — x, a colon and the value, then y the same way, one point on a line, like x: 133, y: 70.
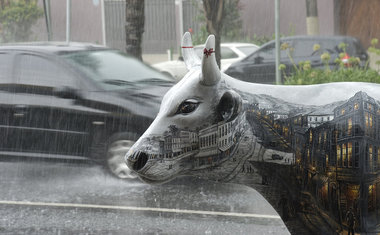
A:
x: 209, y: 124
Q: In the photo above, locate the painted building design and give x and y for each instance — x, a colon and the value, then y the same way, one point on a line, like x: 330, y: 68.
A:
x: 208, y: 146
x: 336, y: 155
x: 332, y: 150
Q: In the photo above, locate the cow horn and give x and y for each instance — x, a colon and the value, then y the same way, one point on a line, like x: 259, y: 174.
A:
x: 210, y: 70
x: 189, y: 56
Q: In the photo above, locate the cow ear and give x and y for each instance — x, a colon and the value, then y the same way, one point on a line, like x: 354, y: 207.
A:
x: 229, y: 106
x: 210, y: 70
x: 189, y: 56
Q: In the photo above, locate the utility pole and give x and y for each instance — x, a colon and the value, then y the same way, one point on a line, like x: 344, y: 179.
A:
x: 179, y: 18
x: 68, y: 21
x: 104, y: 39
x: 277, y: 35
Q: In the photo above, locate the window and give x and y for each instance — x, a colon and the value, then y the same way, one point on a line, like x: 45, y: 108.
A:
x: 338, y: 155
x: 268, y: 52
x: 356, y: 155
x: 247, y: 50
x: 370, y: 158
x: 38, y: 71
x: 368, y: 124
x: 349, y: 130
x: 227, y: 53
x: 356, y: 106
x: 375, y: 158
x: 304, y: 48
x: 367, y: 158
x: 344, y: 155
x: 349, y: 154
x: 5, y: 68
x: 113, y: 69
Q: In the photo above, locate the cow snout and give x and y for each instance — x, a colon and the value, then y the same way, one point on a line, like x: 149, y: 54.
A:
x: 137, y: 161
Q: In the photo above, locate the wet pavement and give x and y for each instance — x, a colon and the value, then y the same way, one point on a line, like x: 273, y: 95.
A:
x: 39, y: 197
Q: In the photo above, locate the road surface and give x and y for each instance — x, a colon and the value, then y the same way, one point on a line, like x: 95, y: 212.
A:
x: 39, y: 197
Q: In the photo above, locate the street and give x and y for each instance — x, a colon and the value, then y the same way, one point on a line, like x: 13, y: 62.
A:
x: 45, y: 197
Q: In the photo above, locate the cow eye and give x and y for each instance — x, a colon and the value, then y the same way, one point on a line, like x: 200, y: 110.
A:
x: 187, y: 107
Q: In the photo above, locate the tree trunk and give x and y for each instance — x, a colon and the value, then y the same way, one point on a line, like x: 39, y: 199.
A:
x: 134, y: 27
x: 213, y: 10
x: 4, y: 3
x: 312, y: 22
x: 337, y: 7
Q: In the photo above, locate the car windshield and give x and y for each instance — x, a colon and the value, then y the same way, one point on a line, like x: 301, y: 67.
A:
x: 113, y: 69
x: 247, y: 49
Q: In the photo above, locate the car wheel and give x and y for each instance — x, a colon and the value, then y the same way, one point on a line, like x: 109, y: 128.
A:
x: 116, y: 151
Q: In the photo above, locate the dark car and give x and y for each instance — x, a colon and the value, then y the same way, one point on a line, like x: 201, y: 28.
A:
x: 75, y: 101
x: 259, y: 67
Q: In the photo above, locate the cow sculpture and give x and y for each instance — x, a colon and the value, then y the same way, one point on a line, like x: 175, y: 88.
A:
x: 209, y: 124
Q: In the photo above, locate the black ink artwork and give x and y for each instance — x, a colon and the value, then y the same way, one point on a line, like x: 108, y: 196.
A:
x: 210, y: 124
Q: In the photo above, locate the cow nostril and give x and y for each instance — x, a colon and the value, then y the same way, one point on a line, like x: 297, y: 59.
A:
x: 142, y: 159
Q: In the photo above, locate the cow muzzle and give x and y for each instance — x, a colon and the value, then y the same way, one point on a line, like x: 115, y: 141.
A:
x: 137, y: 160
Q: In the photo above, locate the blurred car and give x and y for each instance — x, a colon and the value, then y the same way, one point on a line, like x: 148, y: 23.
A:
x: 260, y: 66
x: 230, y: 53
x: 75, y: 101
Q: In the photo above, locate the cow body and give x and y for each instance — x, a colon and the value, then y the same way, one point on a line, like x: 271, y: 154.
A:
x: 209, y: 124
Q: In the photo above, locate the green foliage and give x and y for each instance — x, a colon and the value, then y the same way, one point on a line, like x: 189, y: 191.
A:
x: 375, y: 50
x: 351, y: 72
x: 17, y: 19
x: 232, y: 26
x: 318, y: 76
x: 200, y: 36
x: 231, y: 21
x: 258, y: 40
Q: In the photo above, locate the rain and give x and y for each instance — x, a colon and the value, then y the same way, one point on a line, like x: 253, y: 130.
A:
x: 287, y: 143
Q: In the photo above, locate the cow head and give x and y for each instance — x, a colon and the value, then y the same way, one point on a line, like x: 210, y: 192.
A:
x: 198, y: 126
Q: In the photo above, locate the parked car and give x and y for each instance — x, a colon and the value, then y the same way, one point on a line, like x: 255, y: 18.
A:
x: 230, y: 53
x: 75, y: 101
x: 259, y: 67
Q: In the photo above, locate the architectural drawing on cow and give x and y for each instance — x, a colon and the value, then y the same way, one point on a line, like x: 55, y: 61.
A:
x: 210, y: 124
